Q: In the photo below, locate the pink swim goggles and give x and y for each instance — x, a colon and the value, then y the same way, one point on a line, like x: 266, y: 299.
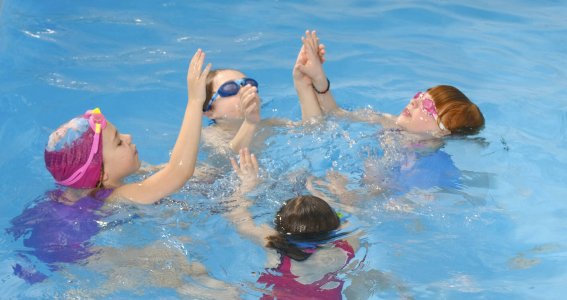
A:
x: 428, y: 106
x: 97, y: 123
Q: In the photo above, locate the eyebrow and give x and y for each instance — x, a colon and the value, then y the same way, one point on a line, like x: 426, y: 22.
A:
x: 115, y: 135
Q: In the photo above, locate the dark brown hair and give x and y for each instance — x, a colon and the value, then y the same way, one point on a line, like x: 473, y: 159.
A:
x: 302, y: 217
x: 456, y: 111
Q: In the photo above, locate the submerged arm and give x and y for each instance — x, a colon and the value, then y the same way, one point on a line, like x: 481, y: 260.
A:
x: 184, y: 154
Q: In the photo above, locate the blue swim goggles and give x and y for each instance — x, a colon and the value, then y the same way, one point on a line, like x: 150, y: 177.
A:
x: 230, y: 88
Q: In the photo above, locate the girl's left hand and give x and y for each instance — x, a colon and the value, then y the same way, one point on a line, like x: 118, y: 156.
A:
x: 247, y: 170
x: 250, y: 104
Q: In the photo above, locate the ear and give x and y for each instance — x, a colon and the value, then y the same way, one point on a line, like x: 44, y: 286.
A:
x: 104, y: 178
x: 441, y: 133
x: 209, y: 114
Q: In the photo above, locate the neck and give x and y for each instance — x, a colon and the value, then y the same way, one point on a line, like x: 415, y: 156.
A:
x: 229, y: 124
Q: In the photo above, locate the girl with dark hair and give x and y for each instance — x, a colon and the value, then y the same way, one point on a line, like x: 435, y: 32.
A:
x: 312, y: 250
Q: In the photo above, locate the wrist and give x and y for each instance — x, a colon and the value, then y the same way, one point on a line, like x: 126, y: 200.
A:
x: 195, y: 104
x: 249, y: 123
x: 322, y: 87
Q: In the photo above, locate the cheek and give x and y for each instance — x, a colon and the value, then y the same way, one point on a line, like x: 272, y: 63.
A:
x: 228, y: 105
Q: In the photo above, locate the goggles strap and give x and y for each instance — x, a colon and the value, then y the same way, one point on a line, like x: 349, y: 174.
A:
x: 97, y: 123
x: 81, y: 171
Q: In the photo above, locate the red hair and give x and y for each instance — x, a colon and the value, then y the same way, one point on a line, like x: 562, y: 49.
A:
x: 456, y: 111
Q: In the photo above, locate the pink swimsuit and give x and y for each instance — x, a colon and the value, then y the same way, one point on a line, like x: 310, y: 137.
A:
x: 284, y: 285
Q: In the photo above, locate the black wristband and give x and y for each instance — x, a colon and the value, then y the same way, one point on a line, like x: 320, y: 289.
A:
x: 323, y: 92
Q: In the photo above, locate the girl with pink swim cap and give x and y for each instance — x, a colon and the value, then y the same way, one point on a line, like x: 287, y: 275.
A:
x: 88, y: 153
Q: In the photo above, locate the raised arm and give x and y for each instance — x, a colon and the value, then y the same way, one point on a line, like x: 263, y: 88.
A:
x: 303, y: 86
x: 313, y: 69
x: 184, y: 155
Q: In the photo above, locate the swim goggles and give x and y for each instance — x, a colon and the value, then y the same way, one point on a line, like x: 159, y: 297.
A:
x: 428, y: 106
x: 230, y: 88
x: 97, y: 122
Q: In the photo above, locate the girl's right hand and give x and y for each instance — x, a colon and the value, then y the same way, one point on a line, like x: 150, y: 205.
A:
x: 197, y: 79
x: 250, y: 104
x: 310, y: 59
x: 302, y: 60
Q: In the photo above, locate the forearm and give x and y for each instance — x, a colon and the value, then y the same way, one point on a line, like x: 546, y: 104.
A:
x: 243, y: 137
x: 185, y: 152
x: 324, y: 95
x: 308, y: 101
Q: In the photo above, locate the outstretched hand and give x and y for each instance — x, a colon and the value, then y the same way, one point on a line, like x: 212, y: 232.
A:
x: 302, y: 60
x: 308, y: 67
x: 197, y: 78
x: 247, y: 170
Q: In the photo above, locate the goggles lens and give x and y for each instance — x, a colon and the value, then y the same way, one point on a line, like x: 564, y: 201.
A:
x: 426, y: 104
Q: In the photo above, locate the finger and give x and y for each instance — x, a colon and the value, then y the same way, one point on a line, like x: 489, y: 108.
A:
x: 195, y: 56
x: 246, y: 157
x: 234, y: 165
x: 245, y: 100
x: 205, y: 73
x: 310, y: 45
x: 250, y: 96
x: 200, y: 62
x: 254, y: 163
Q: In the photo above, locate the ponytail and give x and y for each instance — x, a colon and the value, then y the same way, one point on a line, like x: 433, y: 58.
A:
x: 284, y: 247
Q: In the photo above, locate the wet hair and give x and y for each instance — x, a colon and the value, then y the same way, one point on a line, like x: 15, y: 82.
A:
x: 456, y: 111
x: 306, y: 218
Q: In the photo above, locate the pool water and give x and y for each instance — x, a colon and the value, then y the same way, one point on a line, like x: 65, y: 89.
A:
x: 489, y: 221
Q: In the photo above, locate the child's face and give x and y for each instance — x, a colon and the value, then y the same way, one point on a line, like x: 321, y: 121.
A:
x: 226, y: 107
x: 415, y: 118
x: 119, y: 155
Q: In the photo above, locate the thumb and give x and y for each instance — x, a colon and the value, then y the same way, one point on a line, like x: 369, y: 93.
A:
x: 301, y: 68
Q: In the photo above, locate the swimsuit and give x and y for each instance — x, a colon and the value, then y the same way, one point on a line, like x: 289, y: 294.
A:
x: 284, y: 285
x: 54, y: 232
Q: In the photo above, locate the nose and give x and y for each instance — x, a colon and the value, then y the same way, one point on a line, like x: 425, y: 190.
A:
x: 414, y: 102
x: 127, y: 138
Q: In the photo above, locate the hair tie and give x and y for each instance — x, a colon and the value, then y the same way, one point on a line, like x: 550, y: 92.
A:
x: 325, y: 91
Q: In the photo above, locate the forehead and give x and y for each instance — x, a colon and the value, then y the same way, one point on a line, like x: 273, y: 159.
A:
x: 109, y: 132
x: 226, y: 75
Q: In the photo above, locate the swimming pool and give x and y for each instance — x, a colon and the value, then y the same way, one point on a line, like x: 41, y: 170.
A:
x: 498, y: 233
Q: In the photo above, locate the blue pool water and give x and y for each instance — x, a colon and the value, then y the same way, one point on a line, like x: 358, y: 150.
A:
x: 491, y: 227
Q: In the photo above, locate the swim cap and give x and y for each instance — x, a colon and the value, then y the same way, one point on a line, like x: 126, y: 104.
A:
x: 73, y: 154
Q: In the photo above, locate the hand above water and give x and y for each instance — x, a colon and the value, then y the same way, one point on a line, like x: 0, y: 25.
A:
x: 250, y: 104
x: 197, y: 79
x: 247, y: 169
x: 308, y: 67
x: 302, y: 61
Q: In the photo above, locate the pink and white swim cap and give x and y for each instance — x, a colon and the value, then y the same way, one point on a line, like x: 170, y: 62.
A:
x: 73, y: 154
